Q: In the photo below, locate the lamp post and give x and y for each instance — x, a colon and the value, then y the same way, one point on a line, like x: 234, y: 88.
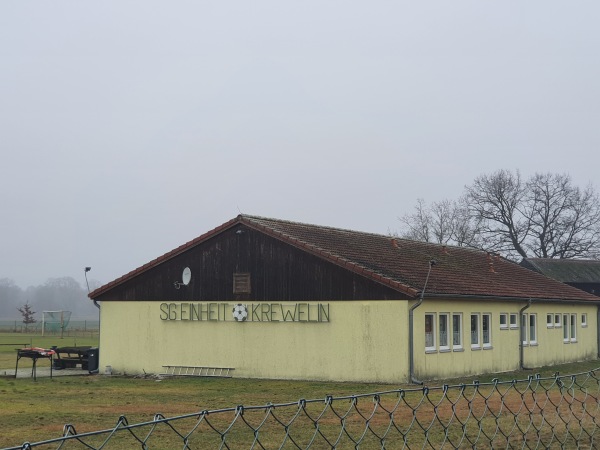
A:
x: 87, y: 269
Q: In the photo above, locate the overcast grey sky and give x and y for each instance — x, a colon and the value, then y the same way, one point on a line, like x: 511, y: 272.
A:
x: 130, y: 127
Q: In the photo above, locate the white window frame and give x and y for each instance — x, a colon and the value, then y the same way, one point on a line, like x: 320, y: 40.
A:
x: 486, y: 317
x: 584, y: 320
x: 566, y: 334
x: 457, y: 333
x: 475, y: 334
x: 557, y: 320
x: 523, y: 329
x: 430, y: 348
x: 532, y: 323
x: 444, y: 317
x: 549, y: 320
x: 514, y: 324
x: 503, y: 326
x: 573, y: 326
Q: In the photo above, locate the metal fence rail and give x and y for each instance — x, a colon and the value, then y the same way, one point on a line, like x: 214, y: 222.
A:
x: 554, y: 412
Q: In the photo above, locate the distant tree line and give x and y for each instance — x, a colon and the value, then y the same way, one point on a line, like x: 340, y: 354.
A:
x: 56, y: 294
x: 544, y: 216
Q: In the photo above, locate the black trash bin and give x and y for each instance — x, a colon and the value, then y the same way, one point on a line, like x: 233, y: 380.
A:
x: 93, y: 360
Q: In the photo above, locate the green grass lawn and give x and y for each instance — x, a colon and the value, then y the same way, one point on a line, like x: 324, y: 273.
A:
x: 37, y: 410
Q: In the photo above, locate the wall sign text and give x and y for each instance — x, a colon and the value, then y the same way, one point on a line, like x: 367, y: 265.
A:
x: 256, y: 312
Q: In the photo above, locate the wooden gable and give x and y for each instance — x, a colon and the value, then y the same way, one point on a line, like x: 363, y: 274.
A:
x: 244, y: 264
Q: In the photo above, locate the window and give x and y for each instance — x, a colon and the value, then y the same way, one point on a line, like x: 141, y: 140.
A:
x: 475, y: 331
x: 457, y: 331
x: 513, y: 321
x: 584, y: 320
x: 529, y: 329
x: 557, y: 322
x: 486, y: 330
x: 444, y: 327
x: 503, y: 321
x: 429, y: 332
x: 524, y: 328
x: 550, y: 320
x: 532, y: 329
x: 573, y: 324
x: 565, y: 328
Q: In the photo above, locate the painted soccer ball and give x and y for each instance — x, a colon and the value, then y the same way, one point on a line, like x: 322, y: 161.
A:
x: 240, y: 312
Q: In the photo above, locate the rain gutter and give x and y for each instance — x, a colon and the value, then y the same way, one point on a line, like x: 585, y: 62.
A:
x: 515, y: 299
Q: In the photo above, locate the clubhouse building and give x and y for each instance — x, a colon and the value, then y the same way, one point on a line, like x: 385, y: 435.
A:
x: 266, y: 298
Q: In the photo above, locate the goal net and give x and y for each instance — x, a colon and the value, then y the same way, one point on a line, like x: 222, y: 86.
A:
x: 55, y: 321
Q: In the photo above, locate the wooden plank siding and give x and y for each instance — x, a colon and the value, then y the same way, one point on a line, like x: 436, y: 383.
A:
x: 278, y: 270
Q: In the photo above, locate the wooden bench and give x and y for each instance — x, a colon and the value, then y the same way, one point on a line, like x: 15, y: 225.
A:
x: 70, y: 357
x: 197, y: 371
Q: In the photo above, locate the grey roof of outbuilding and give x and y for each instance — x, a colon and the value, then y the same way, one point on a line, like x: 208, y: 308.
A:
x: 566, y: 270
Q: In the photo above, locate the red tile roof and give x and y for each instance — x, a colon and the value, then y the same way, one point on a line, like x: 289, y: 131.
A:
x: 399, y: 263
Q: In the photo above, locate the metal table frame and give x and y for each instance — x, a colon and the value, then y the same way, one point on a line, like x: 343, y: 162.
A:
x: 34, y: 355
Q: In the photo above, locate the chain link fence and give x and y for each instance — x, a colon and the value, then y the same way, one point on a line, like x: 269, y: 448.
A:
x: 559, y: 412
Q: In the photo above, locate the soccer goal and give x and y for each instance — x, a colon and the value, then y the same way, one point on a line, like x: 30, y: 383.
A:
x: 54, y: 321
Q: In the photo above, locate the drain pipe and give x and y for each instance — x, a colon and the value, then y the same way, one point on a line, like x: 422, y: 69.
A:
x: 522, y: 335
x: 411, y: 350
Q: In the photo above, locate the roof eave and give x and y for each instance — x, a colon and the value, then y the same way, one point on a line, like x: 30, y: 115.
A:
x: 166, y: 257
x: 514, y: 299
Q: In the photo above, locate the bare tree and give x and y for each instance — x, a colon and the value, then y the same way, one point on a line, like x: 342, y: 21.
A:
x: 444, y: 222
x: 496, y: 201
x: 564, y: 219
x: 418, y: 224
x: 466, y: 229
x: 545, y: 216
x: 11, y: 296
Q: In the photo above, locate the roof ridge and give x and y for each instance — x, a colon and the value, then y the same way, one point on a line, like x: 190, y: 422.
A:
x: 292, y: 222
x: 569, y: 260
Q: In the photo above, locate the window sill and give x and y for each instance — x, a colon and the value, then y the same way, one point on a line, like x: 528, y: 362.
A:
x: 533, y: 344
x: 488, y: 347
x: 475, y: 348
x: 574, y: 341
x: 444, y: 350
x: 430, y: 351
x: 460, y: 349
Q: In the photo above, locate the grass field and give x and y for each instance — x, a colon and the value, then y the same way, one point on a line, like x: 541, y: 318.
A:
x: 37, y: 410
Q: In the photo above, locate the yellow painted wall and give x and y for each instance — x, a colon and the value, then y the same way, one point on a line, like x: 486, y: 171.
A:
x: 503, y: 355
x: 363, y: 341
x: 551, y: 348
